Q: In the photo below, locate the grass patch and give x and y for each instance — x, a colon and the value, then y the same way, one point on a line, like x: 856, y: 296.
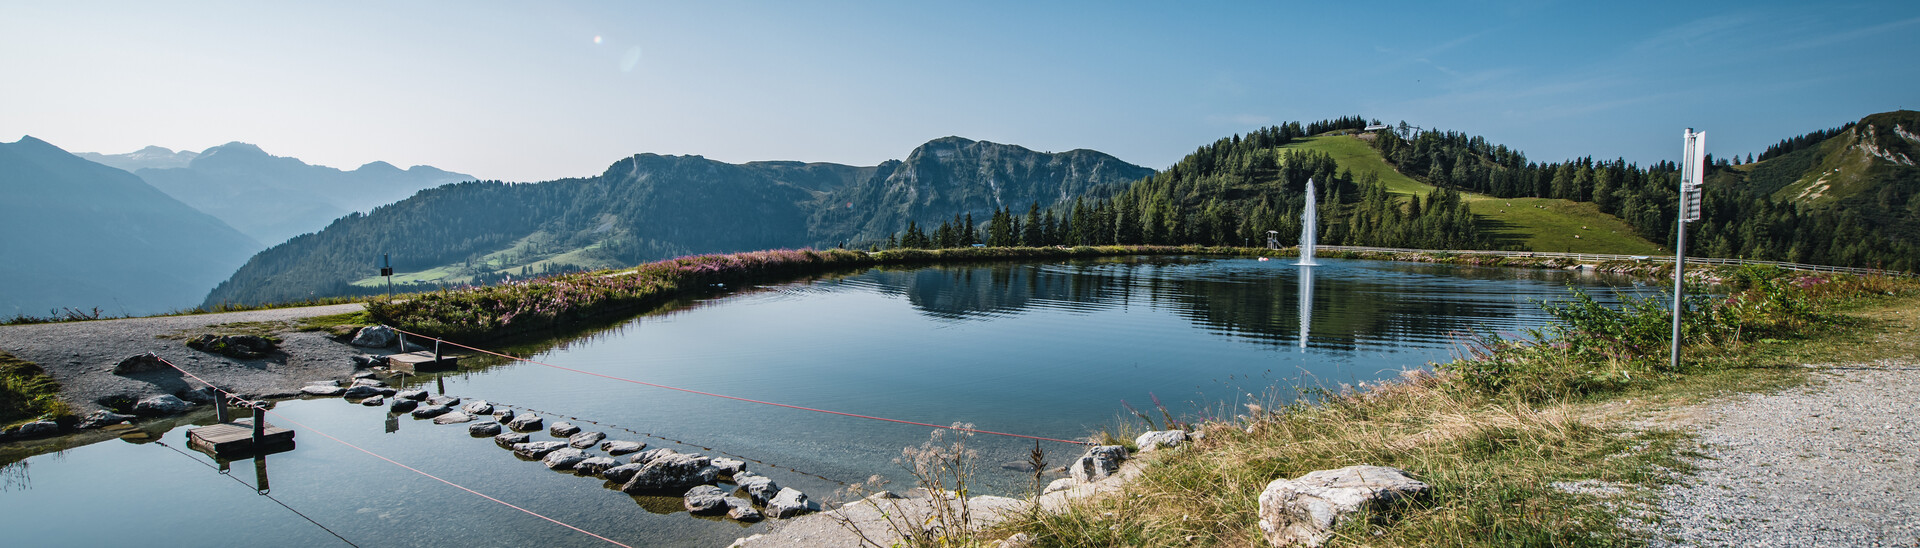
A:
x: 1494, y: 434
x: 1540, y: 224
x: 27, y: 393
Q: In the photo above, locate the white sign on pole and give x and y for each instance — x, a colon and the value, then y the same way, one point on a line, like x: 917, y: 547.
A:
x: 1693, y: 175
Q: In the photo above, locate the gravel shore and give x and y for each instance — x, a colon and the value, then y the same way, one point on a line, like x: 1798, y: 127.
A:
x: 81, y: 355
x: 1834, y: 463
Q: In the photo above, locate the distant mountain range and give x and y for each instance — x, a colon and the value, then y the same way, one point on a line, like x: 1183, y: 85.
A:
x: 272, y: 198
x: 77, y: 234
x: 649, y: 207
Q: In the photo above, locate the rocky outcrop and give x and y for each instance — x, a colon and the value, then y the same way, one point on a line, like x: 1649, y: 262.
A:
x: 161, y: 405
x: 454, y: 417
x: 322, y: 390
x: 1097, y: 463
x: 537, y: 449
x: 584, y: 440
x: 671, y: 471
x: 594, y: 466
x: 244, y: 347
x: 37, y: 429
x: 564, y: 458
x: 790, y: 502
x: 621, y: 447
x: 705, y: 499
x: 482, y: 429
x: 760, y: 488
x: 1154, y: 440
x: 1304, y: 511
x: 374, y: 336
x: 141, y: 363
x: 431, y: 411
x: 509, y: 439
x: 525, y: 423
x: 741, y: 510
x: 101, y: 418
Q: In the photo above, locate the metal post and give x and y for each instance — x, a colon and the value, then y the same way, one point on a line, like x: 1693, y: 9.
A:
x: 219, y: 407
x: 259, y: 426
x: 440, y: 381
x: 1692, y: 176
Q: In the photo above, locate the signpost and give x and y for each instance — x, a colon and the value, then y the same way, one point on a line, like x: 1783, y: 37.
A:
x: 386, y: 269
x: 1692, y: 175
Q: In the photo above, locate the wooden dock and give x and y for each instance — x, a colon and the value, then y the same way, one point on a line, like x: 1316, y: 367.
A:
x: 415, y: 362
x: 229, y: 438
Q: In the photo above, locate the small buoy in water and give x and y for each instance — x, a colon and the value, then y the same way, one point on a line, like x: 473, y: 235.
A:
x: 1263, y: 259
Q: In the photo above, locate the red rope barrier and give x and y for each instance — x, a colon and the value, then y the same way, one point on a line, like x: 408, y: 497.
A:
x: 737, y: 398
x: 394, y: 462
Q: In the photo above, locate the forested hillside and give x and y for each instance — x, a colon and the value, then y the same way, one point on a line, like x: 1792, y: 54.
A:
x: 1844, y: 196
x: 650, y: 207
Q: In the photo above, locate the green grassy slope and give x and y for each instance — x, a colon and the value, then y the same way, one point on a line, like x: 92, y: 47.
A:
x: 1539, y: 223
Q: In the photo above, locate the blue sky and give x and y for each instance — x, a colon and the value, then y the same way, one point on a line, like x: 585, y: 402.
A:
x: 527, y: 92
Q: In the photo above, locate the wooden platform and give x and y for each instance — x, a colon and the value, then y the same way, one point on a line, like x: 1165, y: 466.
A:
x: 236, y: 437
x: 415, y: 362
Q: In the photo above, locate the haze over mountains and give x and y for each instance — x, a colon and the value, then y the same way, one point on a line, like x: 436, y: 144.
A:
x: 78, y: 234
x: 649, y: 207
x: 272, y: 198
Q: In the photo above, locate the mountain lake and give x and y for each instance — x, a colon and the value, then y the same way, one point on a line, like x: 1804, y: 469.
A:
x: 1050, y: 350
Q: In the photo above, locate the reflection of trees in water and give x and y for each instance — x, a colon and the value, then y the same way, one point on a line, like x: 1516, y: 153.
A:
x: 1408, y: 303
x: 13, y: 476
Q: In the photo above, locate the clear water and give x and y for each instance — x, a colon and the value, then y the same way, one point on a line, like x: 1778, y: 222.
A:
x: 1042, y: 349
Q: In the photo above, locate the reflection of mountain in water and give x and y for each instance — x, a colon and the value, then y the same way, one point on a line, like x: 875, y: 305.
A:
x: 1354, y: 303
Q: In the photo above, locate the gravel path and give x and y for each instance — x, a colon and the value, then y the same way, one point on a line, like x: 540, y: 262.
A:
x: 81, y: 355
x: 1834, y: 463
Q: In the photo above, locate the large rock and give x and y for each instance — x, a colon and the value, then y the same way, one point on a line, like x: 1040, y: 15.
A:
x: 620, y: 474
x: 621, y: 447
x: 537, y: 449
x: 431, y: 411
x: 140, y: 364
x: 368, y: 380
x: 564, y: 458
x: 164, y: 404
x: 448, y: 401
x: 510, y: 439
x: 1305, y: 510
x: 1097, y: 463
x: 729, y: 467
x: 760, y: 488
x: 594, y: 466
x: 525, y: 423
x: 669, y: 472
x: 359, y: 391
x: 415, y: 395
x: 479, y: 429
x: 478, y: 407
x: 322, y: 390
x: 374, y: 336
x: 563, y: 429
x: 502, y: 414
x: 706, y: 499
x: 37, y: 429
x: 741, y: 510
x: 245, y: 347
x: 363, y: 361
x: 790, y: 502
x: 402, y: 405
x: 375, y: 401
x: 584, y: 440
x: 1155, y: 440
x: 101, y: 418
x: 453, y: 418
x: 1061, y: 484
